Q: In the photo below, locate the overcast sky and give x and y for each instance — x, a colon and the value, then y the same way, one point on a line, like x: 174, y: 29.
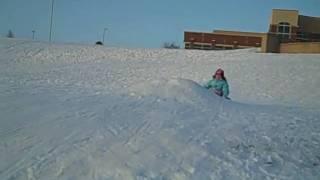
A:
x: 139, y: 23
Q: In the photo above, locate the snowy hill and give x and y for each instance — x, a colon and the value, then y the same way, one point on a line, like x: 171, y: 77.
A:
x: 91, y: 112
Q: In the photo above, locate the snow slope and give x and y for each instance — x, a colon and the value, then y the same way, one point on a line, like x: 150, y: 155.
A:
x: 89, y: 112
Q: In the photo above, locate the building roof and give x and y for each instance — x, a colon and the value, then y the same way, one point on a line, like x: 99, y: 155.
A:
x: 238, y: 33
x: 285, y: 10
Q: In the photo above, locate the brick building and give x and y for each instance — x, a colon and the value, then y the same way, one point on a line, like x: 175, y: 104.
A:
x: 288, y: 32
x: 222, y: 40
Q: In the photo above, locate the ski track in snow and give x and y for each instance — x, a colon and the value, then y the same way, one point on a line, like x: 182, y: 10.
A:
x: 88, y: 112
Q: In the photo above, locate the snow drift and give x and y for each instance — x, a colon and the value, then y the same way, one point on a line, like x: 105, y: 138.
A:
x: 182, y: 90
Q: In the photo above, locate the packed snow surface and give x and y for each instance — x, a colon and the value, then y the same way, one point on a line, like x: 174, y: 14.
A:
x: 92, y: 112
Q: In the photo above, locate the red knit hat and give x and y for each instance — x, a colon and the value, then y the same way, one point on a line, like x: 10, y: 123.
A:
x: 219, y: 71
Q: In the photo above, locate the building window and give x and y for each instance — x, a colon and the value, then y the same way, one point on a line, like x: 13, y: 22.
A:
x: 284, y: 30
x: 302, y: 36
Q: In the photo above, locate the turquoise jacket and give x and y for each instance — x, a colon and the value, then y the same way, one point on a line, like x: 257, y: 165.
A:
x: 219, y: 85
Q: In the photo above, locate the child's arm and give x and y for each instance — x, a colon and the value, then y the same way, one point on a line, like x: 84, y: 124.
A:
x: 208, y: 85
x: 225, y: 90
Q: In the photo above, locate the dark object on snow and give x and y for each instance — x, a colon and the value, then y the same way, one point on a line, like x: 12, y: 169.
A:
x: 99, y: 43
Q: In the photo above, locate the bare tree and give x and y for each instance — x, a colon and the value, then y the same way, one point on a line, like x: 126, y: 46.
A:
x: 171, y: 45
x: 10, y: 34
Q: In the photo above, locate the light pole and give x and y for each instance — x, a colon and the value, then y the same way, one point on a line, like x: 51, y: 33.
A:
x: 52, y: 8
x: 33, y: 32
x: 104, y: 32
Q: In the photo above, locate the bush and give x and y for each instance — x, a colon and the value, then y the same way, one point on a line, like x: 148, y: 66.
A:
x: 10, y: 34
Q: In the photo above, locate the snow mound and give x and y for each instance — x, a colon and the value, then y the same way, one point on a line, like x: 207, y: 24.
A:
x: 181, y: 90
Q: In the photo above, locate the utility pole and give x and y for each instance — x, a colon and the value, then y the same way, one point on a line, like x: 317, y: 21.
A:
x: 33, y: 32
x: 104, y: 32
x: 52, y: 8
